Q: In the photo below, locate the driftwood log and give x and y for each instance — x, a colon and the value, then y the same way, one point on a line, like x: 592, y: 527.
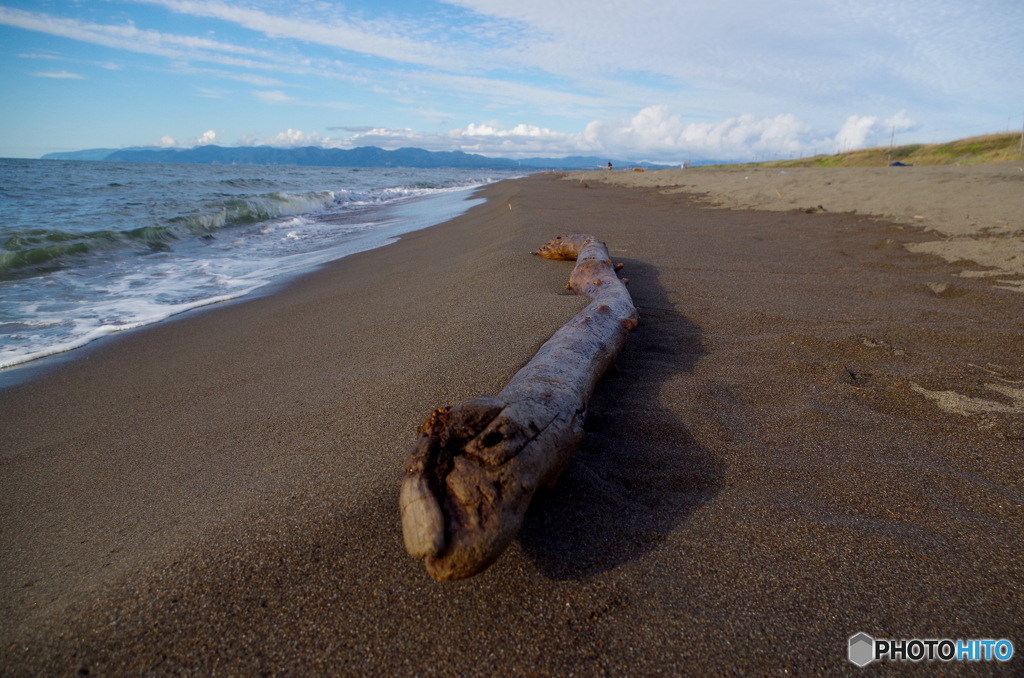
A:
x: 476, y: 466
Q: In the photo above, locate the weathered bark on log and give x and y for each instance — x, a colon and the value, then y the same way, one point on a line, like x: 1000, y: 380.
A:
x: 476, y: 466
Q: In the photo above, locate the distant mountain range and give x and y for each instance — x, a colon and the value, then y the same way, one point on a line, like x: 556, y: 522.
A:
x: 366, y: 156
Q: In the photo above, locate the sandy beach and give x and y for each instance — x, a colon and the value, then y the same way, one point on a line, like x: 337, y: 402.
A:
x: 815, y: 431
x: 974, y: 212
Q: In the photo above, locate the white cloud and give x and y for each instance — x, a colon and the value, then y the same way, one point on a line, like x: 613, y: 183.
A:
x: 537, y: 60
x: 43, y: 57
x: 208, y: 137
x: 654, y: 133
x: 106, y: 65
x: 899, y: 122
x: 59, y: 75
x: 502, y: 92
x: 124, y: 36
x: 332, y: 32
x: 524, y: 78
x: 789, y: 48
x: 861, y: 131
x: 293, y: 138
x: 167, y: 142
x: 186, y: 68
x: 130, y: 38
x: 273, y: 96
x: 854, y: 132
x: 517, y: 142
x: 208, y: 93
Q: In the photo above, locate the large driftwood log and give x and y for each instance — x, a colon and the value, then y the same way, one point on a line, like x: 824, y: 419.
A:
x: 476, y: 466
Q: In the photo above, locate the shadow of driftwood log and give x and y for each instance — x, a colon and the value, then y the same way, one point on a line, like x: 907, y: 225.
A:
x: 639, y: 472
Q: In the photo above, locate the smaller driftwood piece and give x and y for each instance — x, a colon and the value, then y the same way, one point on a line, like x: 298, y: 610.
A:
x: 476, y: 466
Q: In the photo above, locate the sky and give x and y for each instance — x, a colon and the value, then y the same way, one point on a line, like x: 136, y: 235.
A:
x: 664, y: 81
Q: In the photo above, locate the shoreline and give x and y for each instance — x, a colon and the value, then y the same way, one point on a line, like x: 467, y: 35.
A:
x: 413, y: 214
x: 771, y: 470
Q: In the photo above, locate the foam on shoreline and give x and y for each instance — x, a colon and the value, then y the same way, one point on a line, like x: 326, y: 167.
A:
x: 131, y: 298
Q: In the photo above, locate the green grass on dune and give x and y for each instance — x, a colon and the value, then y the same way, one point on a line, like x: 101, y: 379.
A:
x: 1002, y: 147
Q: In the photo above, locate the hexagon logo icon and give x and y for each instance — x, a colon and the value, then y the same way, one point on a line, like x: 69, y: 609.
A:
x: 862, y: 649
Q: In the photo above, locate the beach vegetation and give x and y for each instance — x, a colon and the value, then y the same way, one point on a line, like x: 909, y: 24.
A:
x: 1002, y: 147
x: 905, y: 151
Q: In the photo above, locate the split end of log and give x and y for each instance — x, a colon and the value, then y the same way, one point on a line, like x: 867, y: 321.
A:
x: 469, y: 480
x: 422, y: 520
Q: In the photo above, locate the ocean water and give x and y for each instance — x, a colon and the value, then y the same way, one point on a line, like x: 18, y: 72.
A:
x: 92, y: 248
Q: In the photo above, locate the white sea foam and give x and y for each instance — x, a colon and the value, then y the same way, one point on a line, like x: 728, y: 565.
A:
x: 288, y: 232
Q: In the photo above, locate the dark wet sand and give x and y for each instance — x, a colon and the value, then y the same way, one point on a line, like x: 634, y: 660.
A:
x: 763, y: 477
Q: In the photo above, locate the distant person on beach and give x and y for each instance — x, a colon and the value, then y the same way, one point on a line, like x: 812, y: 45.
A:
x: 609, y: 164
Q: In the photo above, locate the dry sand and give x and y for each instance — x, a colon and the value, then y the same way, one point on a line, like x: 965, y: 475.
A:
x: 813, y: 432
x: 976, y: 211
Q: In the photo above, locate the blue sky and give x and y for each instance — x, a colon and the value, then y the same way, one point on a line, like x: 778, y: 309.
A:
x: 632, y: 79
